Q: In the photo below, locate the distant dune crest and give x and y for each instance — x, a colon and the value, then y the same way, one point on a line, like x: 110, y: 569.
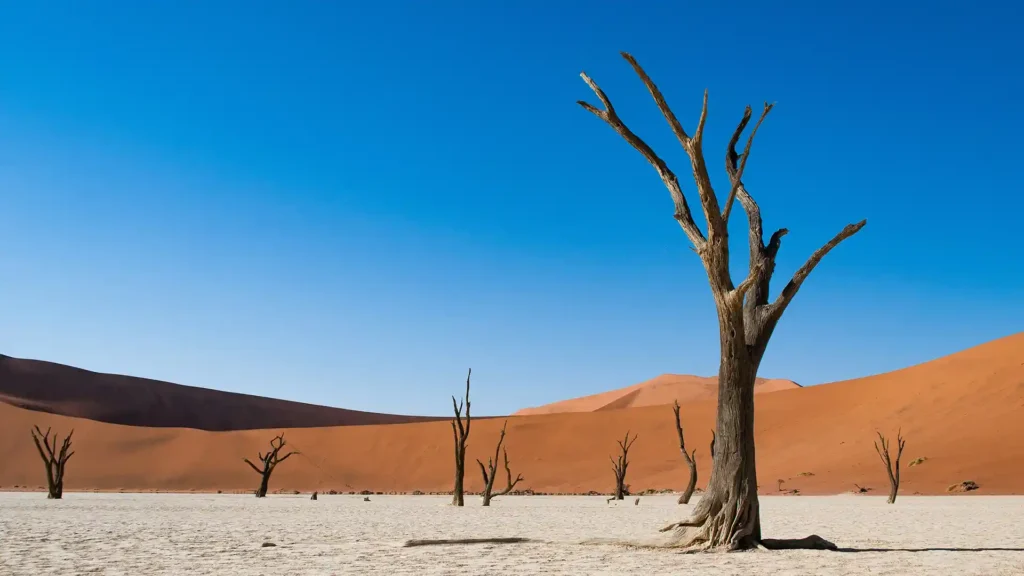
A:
x: 654, y: 392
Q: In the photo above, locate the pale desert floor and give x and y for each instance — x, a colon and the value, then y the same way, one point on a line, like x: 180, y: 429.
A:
x: 158, y: 534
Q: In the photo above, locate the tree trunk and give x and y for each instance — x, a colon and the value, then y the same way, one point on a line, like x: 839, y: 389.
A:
x: 264, y: 484
x: 688, y: 493
x: 457, y: 499
x: 727, y: 516
x: 51, y: 485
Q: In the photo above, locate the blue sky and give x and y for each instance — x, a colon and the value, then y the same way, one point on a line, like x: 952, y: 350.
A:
x: 351, y: 203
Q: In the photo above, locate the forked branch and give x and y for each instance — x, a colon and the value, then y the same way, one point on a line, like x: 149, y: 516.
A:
x: 268, y: 462
x: 53, y: 459
x: 490, y: 471
x: 682, y: 208
x: 620, y: 465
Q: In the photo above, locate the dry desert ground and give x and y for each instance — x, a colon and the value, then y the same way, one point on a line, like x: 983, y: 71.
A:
x: 162, y: 534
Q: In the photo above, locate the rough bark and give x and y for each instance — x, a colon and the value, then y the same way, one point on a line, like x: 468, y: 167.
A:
x: 691, y: 459
x: 727, y: 516
x: 491, y: 471
x: 460, y: 431
x: 268, y: 462
x: 619, y: 467
x: 892, y: 469
x: 55, y: 460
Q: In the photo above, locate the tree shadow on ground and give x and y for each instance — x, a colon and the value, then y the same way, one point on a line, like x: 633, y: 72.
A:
x: 930, y: 550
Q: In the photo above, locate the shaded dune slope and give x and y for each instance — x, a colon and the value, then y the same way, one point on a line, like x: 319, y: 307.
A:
x: 116, y: 399
x: 961, y: 412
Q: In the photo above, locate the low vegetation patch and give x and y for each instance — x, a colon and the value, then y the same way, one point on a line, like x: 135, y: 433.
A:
x: 965, y: 486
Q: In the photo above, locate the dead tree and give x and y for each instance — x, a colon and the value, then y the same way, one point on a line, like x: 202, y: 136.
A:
x: 460, y: 431
x: 691, y: 459
x: 270, y: 460
x: 54, y: 460
x: 491, y: 471
x: 891, y: 468
x: 727, y: 517
x: 619, y: 467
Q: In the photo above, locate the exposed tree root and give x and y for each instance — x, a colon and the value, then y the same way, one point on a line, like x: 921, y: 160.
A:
x: 812, y: 542
x: 442, y: 541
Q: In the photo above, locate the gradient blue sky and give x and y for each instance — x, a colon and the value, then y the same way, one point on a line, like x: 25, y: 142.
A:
x: 351, y: 203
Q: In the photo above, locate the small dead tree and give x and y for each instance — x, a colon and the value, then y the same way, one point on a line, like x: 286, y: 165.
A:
x: 728, y: 515
x: 54, y: 460
x: 891, y: 468
x: 269, y: 461
x: 491, y: 471
x: 460, y: 430
x: 619, y: 467
x: 691, y: 459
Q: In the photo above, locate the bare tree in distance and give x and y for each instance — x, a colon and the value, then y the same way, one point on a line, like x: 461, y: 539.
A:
x: 619, y: 467
x: 691, y: 459
x: 269, y: 461
x: 491, y: 471
x: 460, y: 431
x: 891, y: 468
x: 55, y: 460
x: 728, y: 515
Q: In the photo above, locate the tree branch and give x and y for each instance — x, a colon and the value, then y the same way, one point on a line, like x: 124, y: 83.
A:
x: 679, y: 432
x: 736, y: 174
x: 779, y: 306
x: 470, y: 374
x: 253, y: 466
x: 482, y: 471
x: 692, y: 146
x: 508, y: 472
x: 682, y: 209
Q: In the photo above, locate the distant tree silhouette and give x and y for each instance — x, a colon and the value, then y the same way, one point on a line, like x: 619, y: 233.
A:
x: 55, y: 460
x: 491, y: 471
x: 691, y: 459
x: 460, y: 430
x: 892, y: 469
x: 619, y: 467
x: 269, y: 462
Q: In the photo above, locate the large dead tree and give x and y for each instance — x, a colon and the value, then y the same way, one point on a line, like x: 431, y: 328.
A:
x: 460, y: 430
x: 891, y: 468
x: 619, y: 466
x: 269, y: 461
x: 55, y: 460
x: 491, y: 471
x: 727, y: 517
x: 691, y: 459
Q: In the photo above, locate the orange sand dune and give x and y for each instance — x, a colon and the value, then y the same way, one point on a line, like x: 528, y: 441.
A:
x: 69, y: 391
x: 657, y: 391
x: 961, y: 412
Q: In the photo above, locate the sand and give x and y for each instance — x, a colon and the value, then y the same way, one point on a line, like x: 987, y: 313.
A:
x: 117, y: 399
x: 961, y: 412
x: 162, y: 534
x: 657, y: 391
